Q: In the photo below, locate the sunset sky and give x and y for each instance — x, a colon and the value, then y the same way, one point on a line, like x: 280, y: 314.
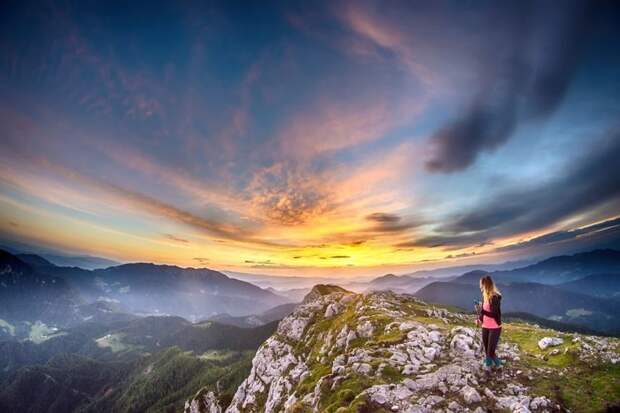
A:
x: 310, y: 137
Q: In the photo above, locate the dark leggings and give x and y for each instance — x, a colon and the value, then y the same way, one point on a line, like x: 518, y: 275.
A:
x: 490, y: 337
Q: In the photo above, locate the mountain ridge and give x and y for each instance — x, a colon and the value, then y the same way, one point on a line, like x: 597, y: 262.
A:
x: 556, y: 270
x: 385, y: 352
x: 142, y: 288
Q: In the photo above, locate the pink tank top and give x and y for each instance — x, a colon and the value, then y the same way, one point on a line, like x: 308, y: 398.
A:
x: 488, y: 322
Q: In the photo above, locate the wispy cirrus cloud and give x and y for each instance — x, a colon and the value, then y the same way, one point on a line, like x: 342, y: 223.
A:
x: 328, y: 126
x: 334, y: 127
x: 550, y: 238
x: 384, y: 33
x: 211, y: 191
x: 109, y: 195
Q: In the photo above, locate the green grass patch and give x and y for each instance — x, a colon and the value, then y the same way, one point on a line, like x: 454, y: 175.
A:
x: 316, y: 372
x: 345, y: 393
x: 394, y: 336
x: 391, y: 374
x: 321, y: 326
x: 114, y: 342
x: 300, y: 407
x: 527, y: 336
x: 324, y: 289
x: 361, y: 404
x: 40, y: 332
x: 217, y: 355
x: 584, y: 389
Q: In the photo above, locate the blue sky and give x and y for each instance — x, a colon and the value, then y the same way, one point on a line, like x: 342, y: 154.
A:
x: 288, y: 137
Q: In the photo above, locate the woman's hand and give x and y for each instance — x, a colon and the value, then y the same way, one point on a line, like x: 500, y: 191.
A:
x: 478, y: 322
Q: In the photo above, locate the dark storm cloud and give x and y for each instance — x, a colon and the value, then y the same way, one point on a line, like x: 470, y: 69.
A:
x: 176, y: 239
x: 590, y: 183
x: 383, y: 217
x: 463, y: 255
x: 386, y: 223
x: 262, y: 262
x: 356, y: 243
x: 524, y: 77
x: 448, y: 241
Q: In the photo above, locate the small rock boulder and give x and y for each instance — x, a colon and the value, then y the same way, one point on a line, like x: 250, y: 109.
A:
x: 470, y: 395
x: 545, y: 342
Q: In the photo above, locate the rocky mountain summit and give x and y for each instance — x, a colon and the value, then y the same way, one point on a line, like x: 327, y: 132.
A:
x: 385, y: 352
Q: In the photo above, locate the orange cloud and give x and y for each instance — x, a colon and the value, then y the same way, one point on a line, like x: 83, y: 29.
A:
x: 286, y: 194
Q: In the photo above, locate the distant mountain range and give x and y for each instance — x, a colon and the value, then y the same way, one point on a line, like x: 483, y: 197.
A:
x: 280, y: 282
x: 557, y: 270
x: 456, y: 270
x: 598, y: 285
x: 295, y: 288
x: 27, y: 294
x: 33, y: 288
x: 84, y: 261
x: 55, y: 257
x: 581, y: 289
x: 266, y: 317
x: 412, y: 282
x: 401, y: 283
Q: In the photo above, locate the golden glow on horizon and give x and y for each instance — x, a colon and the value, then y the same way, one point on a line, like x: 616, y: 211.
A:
x: 347, y: 259
x: 68, y: 210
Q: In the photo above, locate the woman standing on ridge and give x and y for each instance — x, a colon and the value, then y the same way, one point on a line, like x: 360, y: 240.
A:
x: 490, y: 319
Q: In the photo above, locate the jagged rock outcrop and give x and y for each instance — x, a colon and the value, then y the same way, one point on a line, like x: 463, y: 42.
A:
x: 383, y: 352
x: 203, y: 402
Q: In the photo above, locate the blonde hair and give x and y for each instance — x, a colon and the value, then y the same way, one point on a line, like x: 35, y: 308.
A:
x: 488, y: 288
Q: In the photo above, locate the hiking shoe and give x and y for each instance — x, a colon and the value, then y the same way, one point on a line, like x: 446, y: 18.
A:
x: 498, y: 362
x: 488, y: 362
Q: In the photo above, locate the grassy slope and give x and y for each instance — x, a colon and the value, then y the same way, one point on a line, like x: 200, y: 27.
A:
x: 579, y: 386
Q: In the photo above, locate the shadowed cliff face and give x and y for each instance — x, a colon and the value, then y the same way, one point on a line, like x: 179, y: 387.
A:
x: 383, y: 352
